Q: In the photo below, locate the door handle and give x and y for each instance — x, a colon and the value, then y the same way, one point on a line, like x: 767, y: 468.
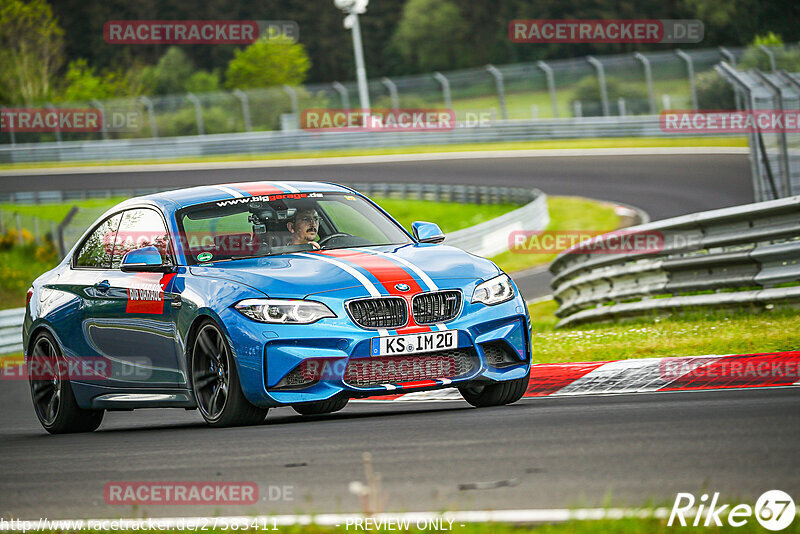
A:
x: 102, y: 286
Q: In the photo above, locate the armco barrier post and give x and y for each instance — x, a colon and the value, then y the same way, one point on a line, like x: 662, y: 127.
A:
x: 551, y: 85
x: 501, y: 90
x: 648, y: 78
x: 771, y: 55
x: 445, y: 83
x: 601, y: 81
x: 293, y: 100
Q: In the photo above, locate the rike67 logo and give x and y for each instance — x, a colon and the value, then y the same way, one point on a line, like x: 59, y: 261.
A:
x: 774, y: 510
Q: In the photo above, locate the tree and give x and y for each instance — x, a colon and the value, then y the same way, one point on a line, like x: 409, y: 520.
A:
x: 431, y: 35
x: 83, y: 83
x: 31, y: 51
x: 269, y: 61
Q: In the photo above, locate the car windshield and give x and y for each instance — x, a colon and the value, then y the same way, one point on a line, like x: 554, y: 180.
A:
x: 282, y: 224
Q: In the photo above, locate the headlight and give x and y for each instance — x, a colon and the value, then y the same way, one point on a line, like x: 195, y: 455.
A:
x: 494, y: 291
x: 284, y: 311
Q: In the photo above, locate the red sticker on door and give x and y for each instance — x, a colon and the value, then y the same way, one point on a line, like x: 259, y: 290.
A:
x: 146, y: 293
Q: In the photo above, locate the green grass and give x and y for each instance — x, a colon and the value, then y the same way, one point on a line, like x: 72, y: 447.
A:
x: 449, y: 216
x: 691, y: 334
x: 52, y: 212
x: 18, y: 268
x: 566, y: 213
x: 621, y: 142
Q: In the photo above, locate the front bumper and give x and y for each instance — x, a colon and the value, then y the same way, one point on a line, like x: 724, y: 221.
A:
x: 496, y: 340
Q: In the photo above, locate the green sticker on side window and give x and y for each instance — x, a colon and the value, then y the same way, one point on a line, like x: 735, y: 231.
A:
x: 204, y: 256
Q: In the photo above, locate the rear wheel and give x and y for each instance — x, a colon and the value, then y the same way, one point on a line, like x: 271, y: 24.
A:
x: 53, y: 399
x: 498, y: 394
x: 215, y: 381
x: 321, y: 407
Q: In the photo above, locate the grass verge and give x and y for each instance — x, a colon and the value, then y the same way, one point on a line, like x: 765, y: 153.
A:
x: 696, y: 333
x: 621, y: 142
x: 566, y: 213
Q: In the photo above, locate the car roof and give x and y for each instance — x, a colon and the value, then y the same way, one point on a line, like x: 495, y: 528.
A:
x: 180, y: 198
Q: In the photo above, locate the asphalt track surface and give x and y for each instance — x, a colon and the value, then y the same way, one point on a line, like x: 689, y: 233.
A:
x: 539, y: 453
x: 663, y: 185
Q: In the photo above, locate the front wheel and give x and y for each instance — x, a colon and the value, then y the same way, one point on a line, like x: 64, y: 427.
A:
x: 53, y: 399
x: 215, y: 382
x: 498, y: 394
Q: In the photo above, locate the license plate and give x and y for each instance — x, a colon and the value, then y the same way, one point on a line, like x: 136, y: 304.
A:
x: 414, y: 343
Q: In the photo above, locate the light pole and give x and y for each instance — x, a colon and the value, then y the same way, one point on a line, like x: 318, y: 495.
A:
x: 354, y: 8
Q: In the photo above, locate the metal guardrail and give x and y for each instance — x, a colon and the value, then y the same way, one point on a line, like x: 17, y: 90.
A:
x: 309, y: 141
x: 11, y: 330
x: 742, y: 255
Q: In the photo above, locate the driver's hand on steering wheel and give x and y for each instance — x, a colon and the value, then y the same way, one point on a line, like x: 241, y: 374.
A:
x: 314, y: 245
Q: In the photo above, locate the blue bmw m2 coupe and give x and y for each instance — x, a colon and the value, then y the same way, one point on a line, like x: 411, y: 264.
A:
x: 235, y: 298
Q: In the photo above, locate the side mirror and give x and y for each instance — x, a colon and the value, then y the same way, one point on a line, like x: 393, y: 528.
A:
x: 427, y: 232
x: 144, y: 260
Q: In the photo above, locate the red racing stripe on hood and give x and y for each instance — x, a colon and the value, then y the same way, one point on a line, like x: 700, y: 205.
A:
x: 388, y: 274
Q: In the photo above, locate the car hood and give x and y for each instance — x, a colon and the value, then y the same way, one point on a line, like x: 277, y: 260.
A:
x: 304, y: 274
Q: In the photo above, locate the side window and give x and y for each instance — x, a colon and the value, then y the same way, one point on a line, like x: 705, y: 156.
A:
x: 97, y: 250
x: 141, y: 228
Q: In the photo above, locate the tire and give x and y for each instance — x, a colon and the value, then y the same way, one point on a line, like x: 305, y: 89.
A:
x: 322, y: 407
x: 215, y: 381
x: 53, y: 400
x: 498, y: 394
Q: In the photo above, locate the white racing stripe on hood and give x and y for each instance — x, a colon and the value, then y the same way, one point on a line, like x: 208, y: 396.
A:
x: 427, y: 280
x: 370, y: 287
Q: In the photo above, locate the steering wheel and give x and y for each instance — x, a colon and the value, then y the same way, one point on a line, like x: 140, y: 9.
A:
x: 327, y: 238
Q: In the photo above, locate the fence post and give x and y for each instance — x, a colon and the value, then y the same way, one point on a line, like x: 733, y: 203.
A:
x: 151, y: 115
x: 501, y: 90
x: 621, y: 107
x: 390, y: 85
x: 36, y: 229
x: 771, y: 55
x: 442, y: 79
x: 730, y: 73
x: 342, y: 90
x: 648, y: 78
x: 577, y: 110
x: 775, y: 88
x: 53, y: 234
x: 690, y: 73
x: 2, y: 223
x: 601, y: 80
x: 58, y: 235
x: 99, y: 105
x: 13, y: 138
x: 18, y: 220
x: 57, y: 130
x: 551, y: 85
x: 242, y: 96
x: 198, y: 112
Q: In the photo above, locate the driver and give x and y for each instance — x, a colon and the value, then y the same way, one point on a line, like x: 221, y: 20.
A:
x: 304, y: 227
